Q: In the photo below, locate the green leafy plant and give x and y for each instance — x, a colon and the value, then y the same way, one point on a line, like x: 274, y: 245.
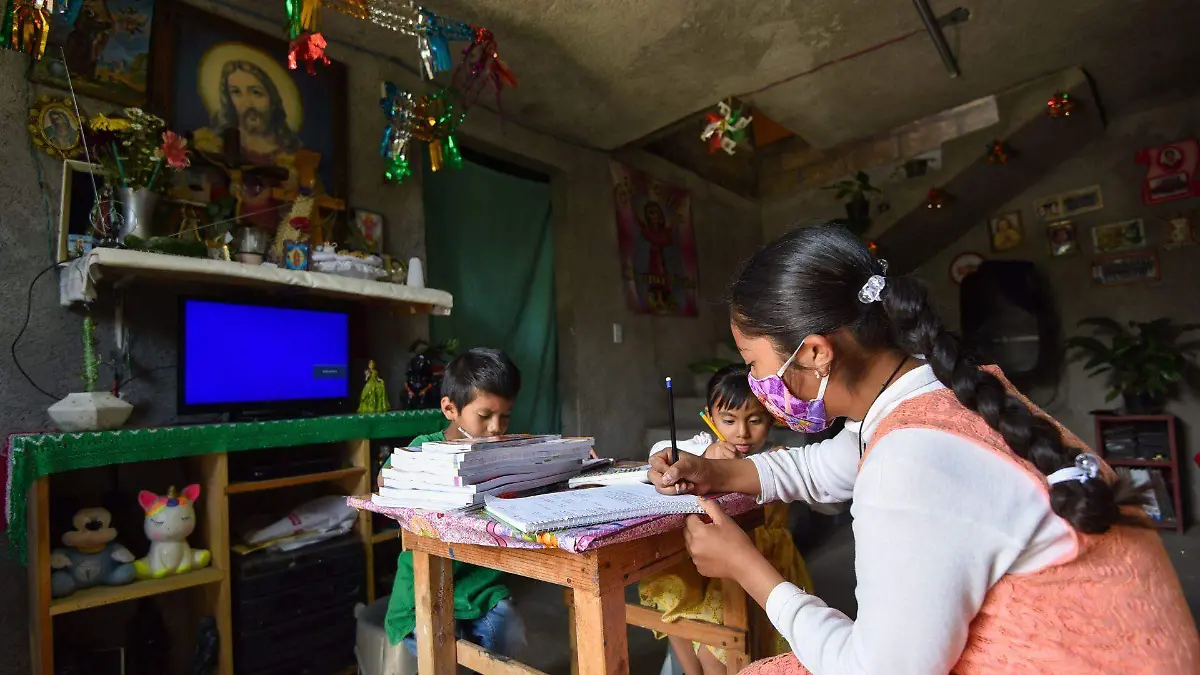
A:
x: 1142, y: 361
x: 854, y: 189
x: 708, y: 366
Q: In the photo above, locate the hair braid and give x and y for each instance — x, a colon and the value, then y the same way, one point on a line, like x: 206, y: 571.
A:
x: 915, y: 327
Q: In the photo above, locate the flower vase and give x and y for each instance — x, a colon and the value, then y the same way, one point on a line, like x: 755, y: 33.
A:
x: 137, y: 209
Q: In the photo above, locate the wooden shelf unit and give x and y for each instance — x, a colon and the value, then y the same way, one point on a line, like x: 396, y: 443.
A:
x: 1169, y: 466
x: 213, y: 583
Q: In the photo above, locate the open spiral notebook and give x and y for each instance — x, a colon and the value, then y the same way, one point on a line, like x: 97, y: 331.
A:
x: 577, y: 508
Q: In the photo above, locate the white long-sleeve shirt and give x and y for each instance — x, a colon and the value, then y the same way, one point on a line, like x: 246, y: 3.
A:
x: 938, y: 520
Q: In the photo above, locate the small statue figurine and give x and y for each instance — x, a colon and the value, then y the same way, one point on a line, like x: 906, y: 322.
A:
x: 419, y: 384
x: 374, y: 398
x: 91, y: 558
x: 169, y: 520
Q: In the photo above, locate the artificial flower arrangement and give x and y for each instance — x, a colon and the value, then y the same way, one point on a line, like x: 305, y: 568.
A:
x: 136, y: 148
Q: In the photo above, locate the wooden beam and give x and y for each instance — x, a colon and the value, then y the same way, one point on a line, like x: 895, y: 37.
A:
x: 697, y: 631
x: 480, y: 660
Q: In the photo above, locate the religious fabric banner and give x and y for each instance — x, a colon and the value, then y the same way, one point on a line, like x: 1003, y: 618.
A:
x: 656, y: 242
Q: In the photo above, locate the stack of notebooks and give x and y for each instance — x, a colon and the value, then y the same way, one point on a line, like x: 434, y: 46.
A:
x: 452, y: 475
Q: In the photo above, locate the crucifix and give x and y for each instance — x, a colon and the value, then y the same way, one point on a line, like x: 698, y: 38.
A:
x: 242, y: 175
x: 304, y: 220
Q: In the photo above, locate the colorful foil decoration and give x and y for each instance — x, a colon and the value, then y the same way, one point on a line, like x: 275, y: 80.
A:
x: 480, y: 68
x: 999, y: 152
x: 399, y: 109
x: 26, y: 26
x: 725, y: 129
x: 307, y: 44
x: 1060, y: 105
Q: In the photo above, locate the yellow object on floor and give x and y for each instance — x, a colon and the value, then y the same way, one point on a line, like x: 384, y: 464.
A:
x: 682, y: 593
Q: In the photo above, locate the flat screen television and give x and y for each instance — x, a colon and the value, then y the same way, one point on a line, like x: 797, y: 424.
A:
x: 262, y: 359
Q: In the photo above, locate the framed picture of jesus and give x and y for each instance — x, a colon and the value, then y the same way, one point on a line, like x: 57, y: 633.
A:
x: 212, y: 76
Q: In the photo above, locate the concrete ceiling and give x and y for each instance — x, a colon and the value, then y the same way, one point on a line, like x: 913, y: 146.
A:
x: 608, y: 72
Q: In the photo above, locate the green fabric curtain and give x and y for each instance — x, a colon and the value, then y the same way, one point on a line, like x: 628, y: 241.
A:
x: 489, y: 242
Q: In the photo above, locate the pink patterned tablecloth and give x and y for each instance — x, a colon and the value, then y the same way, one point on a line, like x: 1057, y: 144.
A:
x: 477, y: 528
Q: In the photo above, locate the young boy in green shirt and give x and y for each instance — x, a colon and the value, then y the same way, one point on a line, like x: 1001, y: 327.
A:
x: 478, y: 391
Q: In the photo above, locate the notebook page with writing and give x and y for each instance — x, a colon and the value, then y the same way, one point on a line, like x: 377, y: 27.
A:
x: 577, y: 508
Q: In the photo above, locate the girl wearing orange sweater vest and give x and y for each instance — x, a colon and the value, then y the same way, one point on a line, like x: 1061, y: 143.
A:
x: 988, y: 538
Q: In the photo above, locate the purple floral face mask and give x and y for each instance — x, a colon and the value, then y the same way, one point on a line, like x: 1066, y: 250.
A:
x: 807, y: 417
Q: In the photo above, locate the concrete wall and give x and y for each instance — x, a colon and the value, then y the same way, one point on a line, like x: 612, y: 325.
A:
x: 612, y: 391
x: 1109, y: 163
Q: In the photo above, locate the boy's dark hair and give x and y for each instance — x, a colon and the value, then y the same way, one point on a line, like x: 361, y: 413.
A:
x: 728, y: 388
x: 480, y: 370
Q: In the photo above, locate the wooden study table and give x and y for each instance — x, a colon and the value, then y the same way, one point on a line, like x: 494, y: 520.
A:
x: 595, y: 581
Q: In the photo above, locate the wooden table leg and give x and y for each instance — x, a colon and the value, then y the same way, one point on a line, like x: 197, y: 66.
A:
x: 601, y: 646
x: 736, y: 615
x: 433, y: 583
x: 569, y: 601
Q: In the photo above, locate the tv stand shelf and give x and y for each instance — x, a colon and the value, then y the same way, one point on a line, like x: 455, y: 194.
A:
x: 81, y: 279
x: 201, y: 454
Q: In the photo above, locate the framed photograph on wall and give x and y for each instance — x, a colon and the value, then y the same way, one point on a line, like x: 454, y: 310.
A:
x: 1120, y: 236
x: 107, y: 48
x: 212, y: 76
x: 1048, y: 208
x: 1125, y: 268
x: 1080, y: 201
x: 1006, y: 231
x: 1062, y: 237
x: 81, y: 182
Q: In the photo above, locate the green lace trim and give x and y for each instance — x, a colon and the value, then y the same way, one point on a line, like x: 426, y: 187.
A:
x: 31, y: 456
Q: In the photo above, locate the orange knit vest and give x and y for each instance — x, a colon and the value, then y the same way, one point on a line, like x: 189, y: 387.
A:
x: 1113, y: 606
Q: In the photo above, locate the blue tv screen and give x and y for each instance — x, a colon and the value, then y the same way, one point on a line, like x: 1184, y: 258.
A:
x: 242, y: 356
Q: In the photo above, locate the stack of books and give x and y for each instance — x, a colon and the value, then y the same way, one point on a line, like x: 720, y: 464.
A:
x: 453, y: 475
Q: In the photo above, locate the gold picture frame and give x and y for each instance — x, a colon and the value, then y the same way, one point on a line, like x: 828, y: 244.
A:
x: 55, y: 128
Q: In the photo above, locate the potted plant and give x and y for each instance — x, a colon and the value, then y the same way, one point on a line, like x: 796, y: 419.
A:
x: 1144, y: 362
x: 856, y: 191
x: 140, y: 154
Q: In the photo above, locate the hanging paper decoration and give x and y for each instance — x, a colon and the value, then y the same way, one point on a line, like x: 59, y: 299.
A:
x: 307, y: 44
x: 398, y: 108
x: 479, y: 69
x: 26, y: 26
x: 999, y: 152
x: 937, y: 199
x: 1060, y: 105
x: 725, y: 129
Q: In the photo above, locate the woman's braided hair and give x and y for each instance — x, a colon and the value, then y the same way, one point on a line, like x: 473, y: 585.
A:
x: 807, y: 283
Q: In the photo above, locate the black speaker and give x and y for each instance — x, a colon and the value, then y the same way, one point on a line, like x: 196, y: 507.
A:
x: 1008, y: 318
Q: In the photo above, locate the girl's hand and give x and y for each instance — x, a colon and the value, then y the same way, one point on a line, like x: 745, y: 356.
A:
x: 720, y: 549
x: 722, y: 450
x: 690, y: 475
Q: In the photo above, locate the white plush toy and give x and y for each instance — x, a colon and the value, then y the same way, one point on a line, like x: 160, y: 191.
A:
x: 169, y: 520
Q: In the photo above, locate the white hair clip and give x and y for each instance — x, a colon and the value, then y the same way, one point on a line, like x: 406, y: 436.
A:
x: 872, y: 290
x: 1087, y: 467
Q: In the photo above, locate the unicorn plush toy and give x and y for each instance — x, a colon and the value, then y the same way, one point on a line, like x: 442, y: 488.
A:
x: 170, y: 519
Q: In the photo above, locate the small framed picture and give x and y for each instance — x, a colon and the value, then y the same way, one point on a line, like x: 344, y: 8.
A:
x: 80, y: 184
x: 1062, y: 238
x: 1048, y: 208
x: 296, y: 255
x: 1181, y: 231
x: 1006, y: 231
x: 1080, y: 201
x: 1125, y: 268
x: 370, y: 227
x: 964, y: 265
x: 1120, y: 236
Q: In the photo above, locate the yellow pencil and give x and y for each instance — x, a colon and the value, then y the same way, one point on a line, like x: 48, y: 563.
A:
x: 708, y: 420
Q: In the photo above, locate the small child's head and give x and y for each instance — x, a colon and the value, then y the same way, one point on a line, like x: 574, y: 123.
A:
x: 478, y: 392
x: 738, y: 415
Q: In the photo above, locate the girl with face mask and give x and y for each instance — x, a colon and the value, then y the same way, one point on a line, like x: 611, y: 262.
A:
x: 988, y: 538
